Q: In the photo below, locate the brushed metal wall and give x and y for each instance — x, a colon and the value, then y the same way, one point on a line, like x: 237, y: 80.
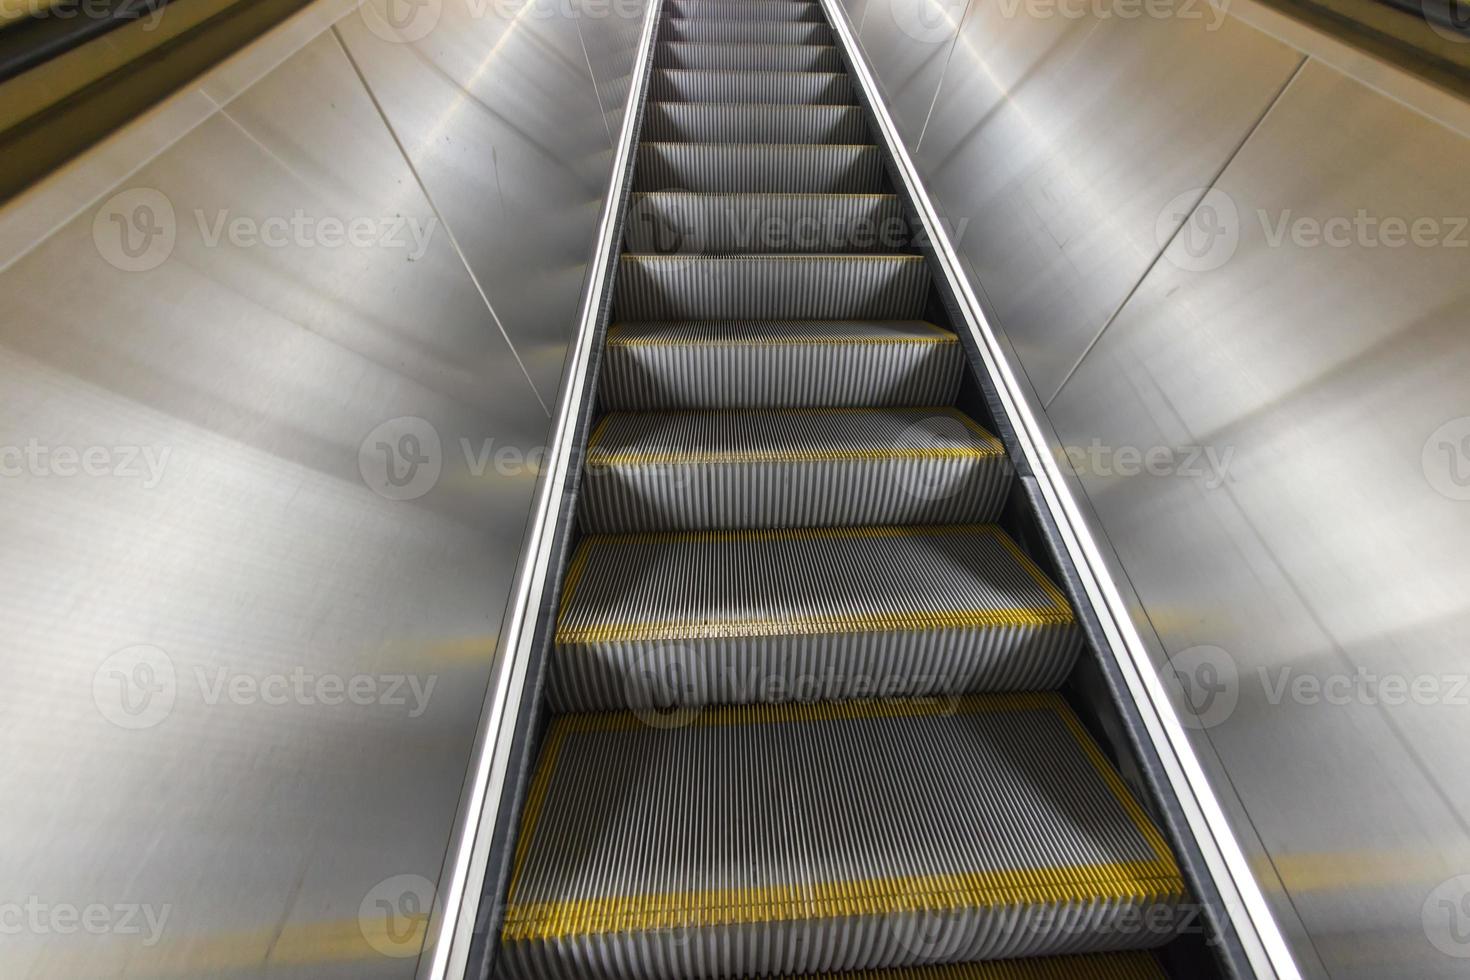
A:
x: 270, y: 412
x: 1238, y: 278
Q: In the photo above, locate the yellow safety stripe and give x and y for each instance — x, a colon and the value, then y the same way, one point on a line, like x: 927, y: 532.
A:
x: 638, y: 257
x: 729, y: 715
x: 1058, y: 613
x: 1095, y: 966
x: 1144, y: 881
x: 1119, y: 882
x: 1006, y: 618
x: 991, y: 447
x: 617, y: 340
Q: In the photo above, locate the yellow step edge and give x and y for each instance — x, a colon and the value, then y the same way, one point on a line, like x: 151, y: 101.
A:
x: 766, y: 105
x: 726, y: 146
x: 615, y: 338
x: 988, y: 890
x: 637, y: 257
x: 1158, y: 880
x: 607, y: 460
x: 1055, y: 613
x: 1007, y: 618
x: 1092, y: 966
x: 991, y: 446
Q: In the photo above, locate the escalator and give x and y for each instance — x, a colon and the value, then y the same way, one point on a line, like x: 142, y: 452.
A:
x: 810, y: 702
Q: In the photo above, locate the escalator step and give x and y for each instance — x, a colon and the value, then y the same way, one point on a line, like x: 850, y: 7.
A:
x: 712, y: 122
x: 866, y: 835
x: 744, y: 10
x: 744, y: 31
x: 672, y: 222
x: 759, y: 57
x: 691, y: 471
x: 784, y: 364
x: 772, y: 87
x: 709, y: 617
x: 1087, y: 966
x: 789, y: 167
x: 771, y: 287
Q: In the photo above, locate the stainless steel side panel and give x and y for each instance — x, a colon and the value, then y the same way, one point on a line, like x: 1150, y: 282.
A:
x: 1329, y: 568
x: 266, y: 458
x: 1297, y: 540
x: 909, y: 42
x: 1069, y: 149
x: 474, y: 105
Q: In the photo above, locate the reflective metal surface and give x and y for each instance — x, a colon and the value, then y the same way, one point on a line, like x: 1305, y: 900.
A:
x: 1328, y: 569
x: 1062, y: 141
x: 1270, y: 429
x: 909, y: 43
x: 472, y: 105
x: 267, y: 452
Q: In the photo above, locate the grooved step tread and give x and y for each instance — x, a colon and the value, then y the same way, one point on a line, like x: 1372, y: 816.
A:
x: 707, y: 584
x: 765, y: 10
x: 961, y: 813
x: 748, y: 86
x: 744, y: 31
x: 754, y: 122
x: 782, y: 57
x: 815, y: 286
x: 735, y: 364
x: 735, y: 167
x: 625, y: 439
x: 1095, y: 966
x: 806, y: 467
x: 755, y: 223
x: 774, y: 333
